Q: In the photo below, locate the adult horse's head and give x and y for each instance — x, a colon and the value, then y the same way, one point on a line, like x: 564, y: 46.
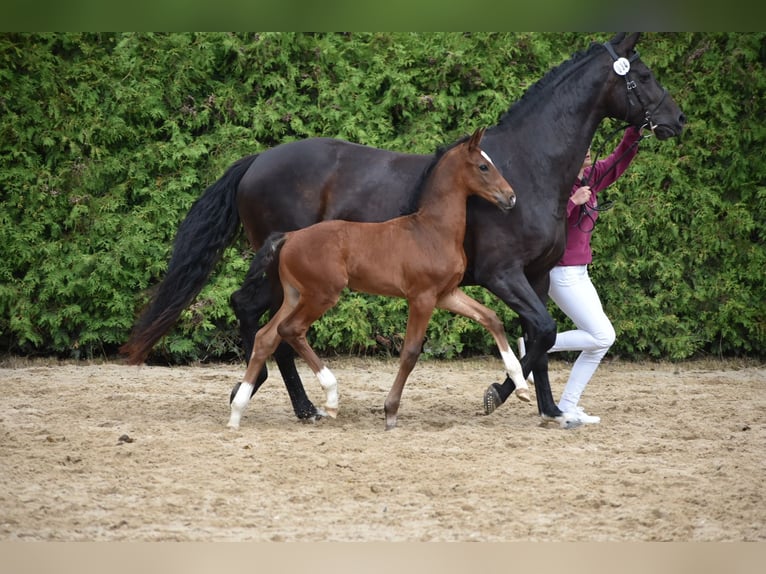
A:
x: 642, y: 101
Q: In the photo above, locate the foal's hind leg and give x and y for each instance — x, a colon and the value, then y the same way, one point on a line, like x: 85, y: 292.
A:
x: 293, y: 330
x: 461, y: 304
x: 266, y: 341
x: 250, y: 302
x: 417, y: 322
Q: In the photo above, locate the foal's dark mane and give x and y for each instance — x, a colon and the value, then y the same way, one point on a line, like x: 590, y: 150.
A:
x: 426, y: 174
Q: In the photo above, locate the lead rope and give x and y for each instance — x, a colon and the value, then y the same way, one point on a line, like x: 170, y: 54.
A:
x: 604, y: 205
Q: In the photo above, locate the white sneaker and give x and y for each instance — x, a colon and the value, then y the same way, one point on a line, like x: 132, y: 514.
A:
x: 584, y: 417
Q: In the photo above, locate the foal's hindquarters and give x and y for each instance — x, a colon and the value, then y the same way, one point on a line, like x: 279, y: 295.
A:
x: 304, y: 302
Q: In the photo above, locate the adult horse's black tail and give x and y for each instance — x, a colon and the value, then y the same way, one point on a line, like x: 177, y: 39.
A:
x: 210, y: 226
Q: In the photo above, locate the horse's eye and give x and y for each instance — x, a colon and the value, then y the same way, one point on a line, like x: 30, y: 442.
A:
x: 484, y: 167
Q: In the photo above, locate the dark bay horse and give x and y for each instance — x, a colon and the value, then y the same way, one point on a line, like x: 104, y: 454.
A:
x: 538, y: 145
x: 419, y: 257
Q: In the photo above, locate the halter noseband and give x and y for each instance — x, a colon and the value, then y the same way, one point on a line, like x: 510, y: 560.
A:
x: 622, y: 67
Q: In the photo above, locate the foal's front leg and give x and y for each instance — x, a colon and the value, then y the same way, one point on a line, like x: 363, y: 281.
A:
x: 417, y: 322
x: 461, y: 304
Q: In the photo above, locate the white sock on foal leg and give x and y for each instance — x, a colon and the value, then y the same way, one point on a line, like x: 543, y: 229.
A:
x: 514, y: 370
x: 330, y: 385
x: 239, y: 403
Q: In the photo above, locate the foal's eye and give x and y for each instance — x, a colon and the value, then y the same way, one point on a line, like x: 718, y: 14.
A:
x: 484, y: 167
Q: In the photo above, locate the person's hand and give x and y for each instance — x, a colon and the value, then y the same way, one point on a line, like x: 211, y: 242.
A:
x: 582, y: 195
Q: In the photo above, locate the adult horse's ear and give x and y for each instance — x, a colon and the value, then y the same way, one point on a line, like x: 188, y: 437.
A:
x: 473, y: 143
x: 626, y: 44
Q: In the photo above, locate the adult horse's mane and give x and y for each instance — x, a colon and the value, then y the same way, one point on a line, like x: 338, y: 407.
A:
x: 553, y: 77
x: 556, y: 75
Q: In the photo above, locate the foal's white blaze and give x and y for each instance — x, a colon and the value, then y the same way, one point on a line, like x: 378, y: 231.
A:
x: 330, y: 385
x: 239, y: 403
x: 513, y: 368
x: 485, y: 156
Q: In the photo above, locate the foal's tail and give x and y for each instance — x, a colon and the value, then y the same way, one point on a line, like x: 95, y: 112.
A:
x: 210, y: 226
x: 268, y: 252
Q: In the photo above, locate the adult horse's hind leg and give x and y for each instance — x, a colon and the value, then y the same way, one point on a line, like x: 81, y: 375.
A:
x: 250, y: 302
x: 461, y: 304
x: 420, y: 311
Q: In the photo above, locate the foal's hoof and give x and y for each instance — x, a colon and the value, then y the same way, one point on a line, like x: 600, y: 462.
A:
x: 523, y: 395
x: 331, y: 412
x: 492, y: 399
x: 233, y: 422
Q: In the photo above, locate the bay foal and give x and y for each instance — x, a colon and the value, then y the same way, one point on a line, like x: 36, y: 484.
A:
x: 419, y: 257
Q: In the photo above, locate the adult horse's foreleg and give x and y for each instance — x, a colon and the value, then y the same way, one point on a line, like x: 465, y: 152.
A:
x: 514, y: 290
x: 461, y: 304
x: 250, y: 302
x: 420, y: 311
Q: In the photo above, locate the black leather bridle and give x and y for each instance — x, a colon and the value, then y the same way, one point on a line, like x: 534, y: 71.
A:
x: 622, y: 67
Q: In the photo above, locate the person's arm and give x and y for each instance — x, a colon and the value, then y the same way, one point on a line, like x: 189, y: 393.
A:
x: 580, y: 196
x: 603, y: 173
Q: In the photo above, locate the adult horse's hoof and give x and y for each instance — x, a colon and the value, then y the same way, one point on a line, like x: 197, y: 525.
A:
x: 566, y: 421
x: 318, y: 415
x: 492, y: 399
x: 522, y: 394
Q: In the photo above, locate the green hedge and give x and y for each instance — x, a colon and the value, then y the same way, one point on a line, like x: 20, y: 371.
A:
x: 107, y: 139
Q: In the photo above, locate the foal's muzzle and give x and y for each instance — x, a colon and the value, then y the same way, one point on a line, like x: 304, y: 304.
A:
x: 505, y: 201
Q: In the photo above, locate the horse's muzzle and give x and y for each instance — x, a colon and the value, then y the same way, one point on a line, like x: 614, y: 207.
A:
x: 506, y: 202
x: 668, y: 129
x: 664, y: 131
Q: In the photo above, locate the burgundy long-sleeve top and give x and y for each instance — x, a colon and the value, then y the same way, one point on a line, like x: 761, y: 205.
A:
x: 599, y: 176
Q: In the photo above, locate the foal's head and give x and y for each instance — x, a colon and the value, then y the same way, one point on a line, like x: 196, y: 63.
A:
x: 480, y: 176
